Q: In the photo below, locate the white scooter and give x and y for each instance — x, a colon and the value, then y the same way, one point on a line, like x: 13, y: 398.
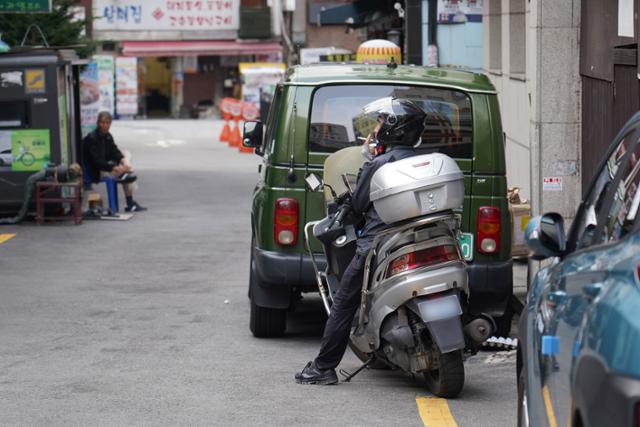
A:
x: 415, y: 290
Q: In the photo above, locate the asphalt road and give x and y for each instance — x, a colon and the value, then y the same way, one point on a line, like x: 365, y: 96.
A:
x: 145, y: 322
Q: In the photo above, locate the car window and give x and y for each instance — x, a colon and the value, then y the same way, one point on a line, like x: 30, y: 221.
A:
x: 336, y: 110
x: 623, y: 208
x: 608, y: 211
x: 273, y: 119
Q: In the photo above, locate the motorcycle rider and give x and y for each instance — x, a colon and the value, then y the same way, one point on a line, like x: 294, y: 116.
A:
x: 399, y: 126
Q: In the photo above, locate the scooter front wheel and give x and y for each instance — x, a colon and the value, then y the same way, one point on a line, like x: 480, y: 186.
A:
x: 447, y: 379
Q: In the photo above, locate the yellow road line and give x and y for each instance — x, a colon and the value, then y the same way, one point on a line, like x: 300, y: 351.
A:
x: 435, y: 412
x: 549, y: 407
x: 5, y: 237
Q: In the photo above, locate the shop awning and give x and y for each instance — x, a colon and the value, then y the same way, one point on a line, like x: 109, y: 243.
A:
x: 198, y: 47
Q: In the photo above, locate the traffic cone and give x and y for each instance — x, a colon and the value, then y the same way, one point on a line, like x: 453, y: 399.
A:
x: 226, y: 130
x: 235, y: 140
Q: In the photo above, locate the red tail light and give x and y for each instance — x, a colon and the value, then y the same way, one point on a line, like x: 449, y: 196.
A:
x: 488, y: 238
x: 285, y: 230
x: 422, y: 258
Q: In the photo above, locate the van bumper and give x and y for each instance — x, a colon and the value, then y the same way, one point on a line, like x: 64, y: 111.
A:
x: 490, y: 286
x: 280, y: 274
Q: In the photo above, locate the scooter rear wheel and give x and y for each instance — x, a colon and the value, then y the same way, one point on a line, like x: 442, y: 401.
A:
x: 448, y: 379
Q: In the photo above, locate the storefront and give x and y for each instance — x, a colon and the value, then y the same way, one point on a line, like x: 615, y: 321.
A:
x: 187, y: 52
x: 182, y: 77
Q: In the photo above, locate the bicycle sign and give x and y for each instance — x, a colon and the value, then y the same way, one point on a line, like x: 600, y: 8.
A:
x: 30, y: 149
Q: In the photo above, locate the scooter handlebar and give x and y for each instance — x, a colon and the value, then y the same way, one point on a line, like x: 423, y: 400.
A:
x: 342, y: 213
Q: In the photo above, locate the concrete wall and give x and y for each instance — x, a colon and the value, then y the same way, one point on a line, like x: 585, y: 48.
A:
x: 512, y: 86
x: 556, y: 104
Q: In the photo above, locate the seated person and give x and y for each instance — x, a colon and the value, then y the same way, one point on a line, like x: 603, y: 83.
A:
x: 103, y: 158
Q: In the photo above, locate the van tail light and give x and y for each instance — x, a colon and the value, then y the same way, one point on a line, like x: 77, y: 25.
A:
x: 285, y: 230
x: 488, y: 231
x: 422, y: 258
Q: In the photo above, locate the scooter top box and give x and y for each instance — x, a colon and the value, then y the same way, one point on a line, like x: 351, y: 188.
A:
x: 417, y: 186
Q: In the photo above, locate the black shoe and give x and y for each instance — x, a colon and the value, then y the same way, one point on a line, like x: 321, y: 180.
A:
x: 312, y: 375
x: 126, y: 178
x: 135, y: 207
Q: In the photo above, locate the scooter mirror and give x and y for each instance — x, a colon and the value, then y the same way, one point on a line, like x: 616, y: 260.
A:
x: 313, y: 182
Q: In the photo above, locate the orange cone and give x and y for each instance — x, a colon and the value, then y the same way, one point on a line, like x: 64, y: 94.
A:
x: 226, y: 130
x: 235, y: 139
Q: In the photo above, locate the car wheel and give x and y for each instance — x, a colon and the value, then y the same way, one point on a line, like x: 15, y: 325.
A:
x: 447, y: 379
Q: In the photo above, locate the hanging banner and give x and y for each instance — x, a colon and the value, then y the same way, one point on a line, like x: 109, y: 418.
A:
x: 126, y: 86
x: 89, y: 98
x: 106, y: 81
x: 25, y: 6
x: 166, y: 15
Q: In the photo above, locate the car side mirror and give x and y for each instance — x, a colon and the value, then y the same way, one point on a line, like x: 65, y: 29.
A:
x: 252, y: 134
x: 313, y: 182
x: 545, y: 236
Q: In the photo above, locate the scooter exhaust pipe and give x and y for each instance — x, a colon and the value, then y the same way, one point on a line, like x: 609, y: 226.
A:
x: 480, y: 329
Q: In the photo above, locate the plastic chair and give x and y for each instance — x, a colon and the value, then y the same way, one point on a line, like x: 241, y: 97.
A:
x: 112, y: 188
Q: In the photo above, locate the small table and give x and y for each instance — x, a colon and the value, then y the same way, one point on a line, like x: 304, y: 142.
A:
x: 52, y: 192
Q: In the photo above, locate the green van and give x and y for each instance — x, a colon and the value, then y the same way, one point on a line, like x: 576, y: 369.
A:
x: 311, y: 116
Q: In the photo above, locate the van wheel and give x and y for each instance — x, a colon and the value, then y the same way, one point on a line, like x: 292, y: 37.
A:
x: 447, y: 379
x: 267, y: 322
x: 264, y: 322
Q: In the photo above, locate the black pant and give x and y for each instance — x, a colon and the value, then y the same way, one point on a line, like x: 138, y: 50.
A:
x: 345, y: 304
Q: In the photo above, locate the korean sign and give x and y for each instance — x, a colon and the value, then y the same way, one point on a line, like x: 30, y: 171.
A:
x: 166, y: 15
x: 25, y: 6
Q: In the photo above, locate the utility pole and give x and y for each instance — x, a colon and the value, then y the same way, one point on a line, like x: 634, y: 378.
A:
x: 413, y: 32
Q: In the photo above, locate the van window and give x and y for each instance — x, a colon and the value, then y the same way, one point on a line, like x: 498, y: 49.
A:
x: 335, y: 110
x: 273, y: 119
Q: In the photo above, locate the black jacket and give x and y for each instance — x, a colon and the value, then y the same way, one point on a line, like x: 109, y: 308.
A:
x: 100, y: 154
x: 360, y: 201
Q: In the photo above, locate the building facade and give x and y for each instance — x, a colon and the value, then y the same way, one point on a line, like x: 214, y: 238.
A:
x: 532, y: 56
x: 187, y: 52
